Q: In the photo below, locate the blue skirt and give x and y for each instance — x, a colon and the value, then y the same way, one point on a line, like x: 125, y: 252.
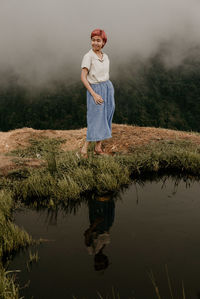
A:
x: 99, y: 116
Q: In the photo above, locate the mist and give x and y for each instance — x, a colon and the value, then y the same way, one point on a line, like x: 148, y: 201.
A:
x: 43, y: 41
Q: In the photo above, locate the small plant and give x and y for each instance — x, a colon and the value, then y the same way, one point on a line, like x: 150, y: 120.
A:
x: 8, y: 287
x: 33, y: 257
x: 171, y: 292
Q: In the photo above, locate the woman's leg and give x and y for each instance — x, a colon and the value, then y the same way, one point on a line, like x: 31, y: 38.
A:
x: 98, y: 145
x: 98, y: 148
x: 85, y: 147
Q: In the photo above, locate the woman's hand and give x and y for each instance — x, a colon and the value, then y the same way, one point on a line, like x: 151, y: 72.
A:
x: 97, y: 98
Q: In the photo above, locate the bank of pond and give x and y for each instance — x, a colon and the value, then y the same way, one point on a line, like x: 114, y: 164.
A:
x: 123, y: 225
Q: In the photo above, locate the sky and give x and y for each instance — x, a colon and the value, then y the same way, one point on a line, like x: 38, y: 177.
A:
x: 44, y: 40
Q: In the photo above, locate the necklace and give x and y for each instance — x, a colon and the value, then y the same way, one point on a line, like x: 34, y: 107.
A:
x: 100, y: 59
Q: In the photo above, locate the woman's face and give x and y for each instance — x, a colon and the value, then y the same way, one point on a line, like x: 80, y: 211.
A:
x: 97, y: 42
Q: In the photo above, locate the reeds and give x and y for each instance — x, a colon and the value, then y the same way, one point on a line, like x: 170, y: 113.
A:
x: 11, y: 239
x: 9, y: 289
x: 33, y: 257
x: 11, y: 236
x: 172, y: 293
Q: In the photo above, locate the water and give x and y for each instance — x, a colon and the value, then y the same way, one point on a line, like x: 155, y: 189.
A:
x: 144, y: 228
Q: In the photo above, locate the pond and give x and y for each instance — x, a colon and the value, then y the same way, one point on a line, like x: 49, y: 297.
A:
x: 116, y: 242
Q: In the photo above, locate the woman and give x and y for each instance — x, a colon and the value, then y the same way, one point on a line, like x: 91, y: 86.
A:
x: 100, y: 93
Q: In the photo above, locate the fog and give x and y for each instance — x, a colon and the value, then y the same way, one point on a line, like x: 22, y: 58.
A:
x: 45, y: 40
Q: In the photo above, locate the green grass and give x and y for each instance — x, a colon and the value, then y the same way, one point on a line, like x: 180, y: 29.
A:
x: 68, y: 176
x: 9, y: 289
x: 11, y: 239
x: 11, y: 236
x: 39, y: 147
x: 33, y: 257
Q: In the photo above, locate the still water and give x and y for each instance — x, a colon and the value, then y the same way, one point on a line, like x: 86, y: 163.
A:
x: 115, y: 242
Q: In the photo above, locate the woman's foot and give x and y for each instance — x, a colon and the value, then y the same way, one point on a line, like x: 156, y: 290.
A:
x: 83, y: 153
x: 98, y: 147
x: 98, y: 151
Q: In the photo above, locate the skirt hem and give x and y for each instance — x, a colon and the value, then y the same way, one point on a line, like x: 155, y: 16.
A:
x: 99, y: 139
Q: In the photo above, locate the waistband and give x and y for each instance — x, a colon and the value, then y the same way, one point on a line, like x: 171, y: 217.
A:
x: 102, y: 82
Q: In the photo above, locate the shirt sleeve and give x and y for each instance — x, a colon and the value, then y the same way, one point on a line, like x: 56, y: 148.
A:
x: 86, y: 61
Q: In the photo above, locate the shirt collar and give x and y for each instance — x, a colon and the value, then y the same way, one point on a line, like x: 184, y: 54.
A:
x: 96, y: 56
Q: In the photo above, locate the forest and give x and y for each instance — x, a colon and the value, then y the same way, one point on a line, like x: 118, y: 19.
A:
x: 147, y: 94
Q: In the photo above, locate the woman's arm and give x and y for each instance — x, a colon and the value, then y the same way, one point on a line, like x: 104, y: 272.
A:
x: 98, y: 99
x: 85, y: 81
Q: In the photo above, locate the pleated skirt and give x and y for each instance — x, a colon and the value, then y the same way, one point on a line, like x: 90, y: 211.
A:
x: 99, y: 116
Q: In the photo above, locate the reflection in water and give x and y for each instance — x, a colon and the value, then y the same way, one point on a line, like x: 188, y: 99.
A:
x: 97, y: 236
x: 51, y: 214
x: 176, y: 180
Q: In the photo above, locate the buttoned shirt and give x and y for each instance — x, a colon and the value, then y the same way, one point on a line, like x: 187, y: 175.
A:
x: 98, y: 69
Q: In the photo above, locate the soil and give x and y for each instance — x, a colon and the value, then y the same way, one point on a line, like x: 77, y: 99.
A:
x: 124, y: 139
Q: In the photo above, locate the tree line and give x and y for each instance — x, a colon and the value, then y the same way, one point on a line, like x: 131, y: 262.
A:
x: 154, y: 95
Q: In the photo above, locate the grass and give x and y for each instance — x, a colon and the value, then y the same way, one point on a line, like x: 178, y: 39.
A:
x: 8, y: 287
x: 11, y: 239
x: 11, y: 236
x: 33, y: 257
x: 68, y: 176
x: 38, y: 148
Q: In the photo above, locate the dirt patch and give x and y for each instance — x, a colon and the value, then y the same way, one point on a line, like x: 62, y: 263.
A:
x: 8, y: 163
x: 126, y: 137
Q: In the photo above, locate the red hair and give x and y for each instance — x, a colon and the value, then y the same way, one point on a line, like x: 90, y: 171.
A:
x: 101, y: 33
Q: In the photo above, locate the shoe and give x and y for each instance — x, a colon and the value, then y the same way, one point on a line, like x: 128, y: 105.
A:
x: 97, y: 152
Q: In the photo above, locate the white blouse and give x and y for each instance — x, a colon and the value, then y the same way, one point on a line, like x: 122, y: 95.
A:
x: 98, y: 69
